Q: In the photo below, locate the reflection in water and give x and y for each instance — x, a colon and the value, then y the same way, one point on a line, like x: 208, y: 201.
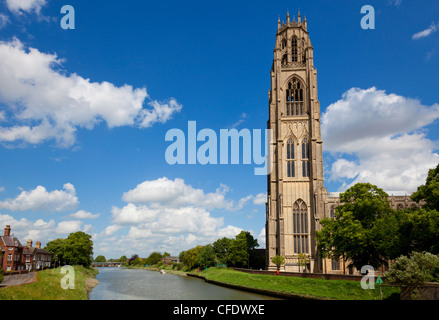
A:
x: 128, y: 284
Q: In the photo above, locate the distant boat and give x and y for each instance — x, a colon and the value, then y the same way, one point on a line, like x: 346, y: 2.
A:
x: 162, y: 271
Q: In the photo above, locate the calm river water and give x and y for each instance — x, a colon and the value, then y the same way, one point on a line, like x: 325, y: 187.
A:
x: 126, y: 284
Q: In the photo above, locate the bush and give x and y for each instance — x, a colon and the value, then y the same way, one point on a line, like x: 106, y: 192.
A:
x: 413, y: 272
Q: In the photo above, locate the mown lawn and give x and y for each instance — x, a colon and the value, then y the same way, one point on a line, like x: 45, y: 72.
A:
x: 305, y: 287
x: 48, y: 286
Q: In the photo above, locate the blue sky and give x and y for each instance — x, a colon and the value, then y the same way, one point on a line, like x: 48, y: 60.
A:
x: 84, y: 112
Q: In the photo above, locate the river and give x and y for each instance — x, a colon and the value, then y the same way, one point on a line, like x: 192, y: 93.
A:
x: 137, y: 284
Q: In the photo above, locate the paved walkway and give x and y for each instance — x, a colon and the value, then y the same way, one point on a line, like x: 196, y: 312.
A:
x: 18, y: 279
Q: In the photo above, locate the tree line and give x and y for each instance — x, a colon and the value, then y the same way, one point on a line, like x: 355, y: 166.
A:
x: 238, y: 252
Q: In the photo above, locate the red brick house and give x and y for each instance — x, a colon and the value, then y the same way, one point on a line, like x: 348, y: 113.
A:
x: 12, y: 251
x: 17, y: 257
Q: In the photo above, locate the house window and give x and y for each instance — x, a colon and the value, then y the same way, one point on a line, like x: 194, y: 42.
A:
x: 294, y: 49
x: 290, y: 159
x: 294, y: 98
x: 10, y: 257
x: 300, y: 227
x: 305, y: 158
x: 335, y: 264
x: 331, y: 212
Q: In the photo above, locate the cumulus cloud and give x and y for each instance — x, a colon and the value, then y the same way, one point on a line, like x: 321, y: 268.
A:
x: 46, y: 103
x: 169, y: 215
x: 67, y: 227
x: 81, y: 214
x: 19, y: 6
x: 41, y: 199
x: 380, y: 138
x: 425, y: 33
x: 176, y: 193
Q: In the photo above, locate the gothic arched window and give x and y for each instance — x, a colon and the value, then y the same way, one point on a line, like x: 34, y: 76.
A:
x: 294, y: 98
x: 300, y: 227
x: 290, y: 159
x: 305, y: 158
x: 294, y: 49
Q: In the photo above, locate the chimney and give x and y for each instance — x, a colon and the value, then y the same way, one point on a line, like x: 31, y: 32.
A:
x: 7, y: 230
x: 29, y: 243
x: 38, y: 245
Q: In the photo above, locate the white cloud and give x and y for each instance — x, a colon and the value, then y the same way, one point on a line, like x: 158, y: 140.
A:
x: 18, y: 6
x: 425, y: 33
x: 67, y: 227
x: 176, y: 193
x: 4, y: 20
x: 46, y: 103
x: 25, y: 229
x: 378, y: 138
x: 260, y: 198
x: 81, y: 214
x: 40, y: 199
x: 168, y: 215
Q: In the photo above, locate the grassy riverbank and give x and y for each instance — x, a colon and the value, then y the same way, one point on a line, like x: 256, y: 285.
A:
x: 303, y: 287
x: 48, y: 286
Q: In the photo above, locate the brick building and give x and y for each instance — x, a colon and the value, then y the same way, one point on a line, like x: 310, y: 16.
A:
x: 16, y: 257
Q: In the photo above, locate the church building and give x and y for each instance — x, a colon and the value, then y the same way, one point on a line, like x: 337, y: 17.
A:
x: 297, y: 199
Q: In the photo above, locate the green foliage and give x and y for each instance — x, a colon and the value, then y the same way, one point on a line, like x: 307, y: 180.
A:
x: 355, y: 232
x: 238, y: 254
x: 123, y: 259
x: 153, y: 258
x: 221, y: 249
x: 414, y: 271
x: 429, y: 192
x: 190, y: 257
x: 207, y: 257
x: 278, y: 261
x: 100, y: 259
x: 77, y: 249
x: 56, y: 247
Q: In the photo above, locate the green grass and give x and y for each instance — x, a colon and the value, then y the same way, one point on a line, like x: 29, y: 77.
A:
x: 48, y: 286
x: 304, y: 287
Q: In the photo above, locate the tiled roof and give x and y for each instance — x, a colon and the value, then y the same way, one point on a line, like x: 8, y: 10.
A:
x: 10, y: 241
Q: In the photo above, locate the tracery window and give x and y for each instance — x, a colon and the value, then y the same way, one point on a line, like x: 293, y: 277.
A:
x: 300, y: 227
x: 290, y: 159
x: 305, y: 158
x: 294, y: 49
x: 294, y: 98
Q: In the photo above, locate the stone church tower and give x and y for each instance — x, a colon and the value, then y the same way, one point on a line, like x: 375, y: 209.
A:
x: 296, y: 194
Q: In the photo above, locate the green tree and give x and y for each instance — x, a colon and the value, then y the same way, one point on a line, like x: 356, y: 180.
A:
x: 429, y: 192
x: 100, y: 258
x: 78, y: 249
x: 57, y: 249
x: 302, y: 260
x: 355, y: 232
x: 207, y: 257
x: 419, y: 231
x: 238, y: 254
x: 190, y: 257
x: 153, y: 258
x: 278, y: 261
x: 221, y: 249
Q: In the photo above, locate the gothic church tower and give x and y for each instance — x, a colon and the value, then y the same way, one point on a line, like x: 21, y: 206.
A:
x: 295, y: 201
